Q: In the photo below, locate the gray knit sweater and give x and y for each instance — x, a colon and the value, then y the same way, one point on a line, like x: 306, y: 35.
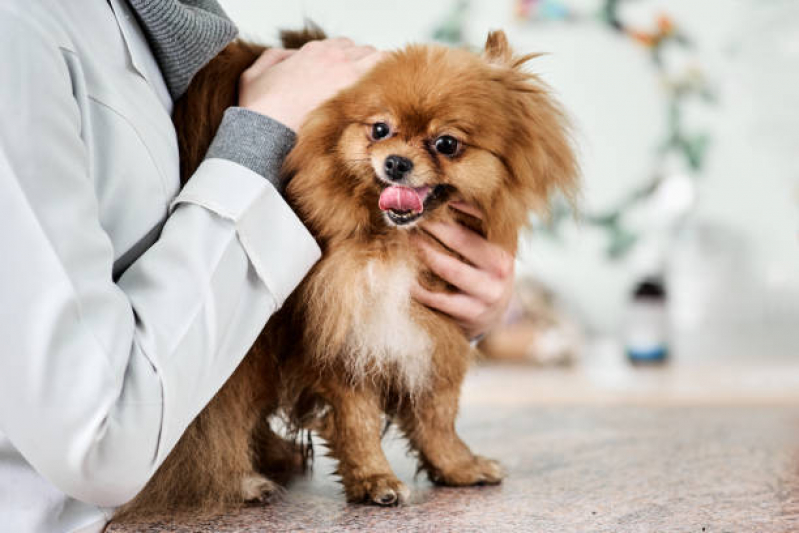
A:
x: 184, y: 36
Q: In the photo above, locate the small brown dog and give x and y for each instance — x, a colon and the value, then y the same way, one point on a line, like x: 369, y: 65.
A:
x: 427, y: 125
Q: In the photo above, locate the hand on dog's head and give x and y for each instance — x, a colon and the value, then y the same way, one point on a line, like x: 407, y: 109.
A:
x: 426, y: 125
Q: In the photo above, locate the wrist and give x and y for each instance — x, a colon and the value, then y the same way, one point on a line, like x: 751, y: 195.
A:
x: 253, y: 140
x: 276, y: 110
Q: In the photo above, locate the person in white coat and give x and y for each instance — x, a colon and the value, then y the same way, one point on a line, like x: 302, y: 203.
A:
x: 125, y: 302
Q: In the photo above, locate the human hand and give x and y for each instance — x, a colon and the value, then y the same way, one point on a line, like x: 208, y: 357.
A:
x: 485, y: 286
x: 287, y: 84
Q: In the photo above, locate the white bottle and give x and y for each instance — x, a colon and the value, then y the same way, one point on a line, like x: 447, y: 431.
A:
x: 646, y: 331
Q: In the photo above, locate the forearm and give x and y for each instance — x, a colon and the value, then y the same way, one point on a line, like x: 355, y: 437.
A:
x: 104, y: 378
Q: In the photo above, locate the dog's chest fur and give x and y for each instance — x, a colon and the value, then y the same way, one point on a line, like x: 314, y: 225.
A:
x: 383, y: 338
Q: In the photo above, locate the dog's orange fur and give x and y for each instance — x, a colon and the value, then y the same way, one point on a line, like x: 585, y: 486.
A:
x: 329, y: 359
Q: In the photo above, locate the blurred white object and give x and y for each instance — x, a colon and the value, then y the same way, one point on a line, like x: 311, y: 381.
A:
x: 710, y: 277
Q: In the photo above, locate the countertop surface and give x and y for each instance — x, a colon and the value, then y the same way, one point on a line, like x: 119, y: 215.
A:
x: 639, y: 450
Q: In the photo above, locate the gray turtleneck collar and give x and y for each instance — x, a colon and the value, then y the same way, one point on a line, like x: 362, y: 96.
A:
x: 184, y: 36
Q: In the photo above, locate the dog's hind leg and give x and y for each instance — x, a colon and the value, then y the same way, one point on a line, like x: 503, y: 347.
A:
x: 276, y: 457
x: 210, y: 470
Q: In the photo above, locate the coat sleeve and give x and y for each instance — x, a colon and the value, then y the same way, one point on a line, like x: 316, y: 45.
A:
x: 98, y: 379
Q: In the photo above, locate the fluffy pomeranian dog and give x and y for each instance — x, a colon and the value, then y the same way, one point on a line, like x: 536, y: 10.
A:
x: 350, y: 349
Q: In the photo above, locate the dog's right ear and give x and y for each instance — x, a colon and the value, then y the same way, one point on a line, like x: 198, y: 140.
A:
x: 497, y: 50
x: 294, y: 39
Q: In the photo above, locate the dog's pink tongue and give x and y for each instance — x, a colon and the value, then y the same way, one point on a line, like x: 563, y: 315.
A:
x: 403, y: 198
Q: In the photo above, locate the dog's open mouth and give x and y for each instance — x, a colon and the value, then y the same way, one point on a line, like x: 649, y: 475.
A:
x: 403, y: 205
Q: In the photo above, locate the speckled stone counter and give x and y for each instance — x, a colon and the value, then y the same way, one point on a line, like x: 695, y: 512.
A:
x: 576, y: 468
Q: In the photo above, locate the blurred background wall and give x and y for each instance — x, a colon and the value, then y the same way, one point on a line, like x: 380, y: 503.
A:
x: 724, y: 234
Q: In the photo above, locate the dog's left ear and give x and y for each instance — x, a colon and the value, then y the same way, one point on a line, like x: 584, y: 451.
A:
x: 539, y: 154
x: 497, y: 50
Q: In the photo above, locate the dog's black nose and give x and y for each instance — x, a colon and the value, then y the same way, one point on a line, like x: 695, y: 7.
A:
x: 397, y: 167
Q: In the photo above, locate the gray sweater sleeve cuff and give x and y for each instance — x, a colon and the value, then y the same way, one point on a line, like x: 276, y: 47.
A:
x: 253, y: 140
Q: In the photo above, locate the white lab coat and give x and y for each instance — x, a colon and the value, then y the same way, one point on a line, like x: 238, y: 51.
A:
x: 124, y: 302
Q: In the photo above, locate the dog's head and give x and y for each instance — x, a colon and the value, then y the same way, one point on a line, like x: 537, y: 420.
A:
x: 427, y: 125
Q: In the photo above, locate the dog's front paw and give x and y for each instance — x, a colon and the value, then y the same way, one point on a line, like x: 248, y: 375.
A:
x: 382, y: 489
x: 478, y: 471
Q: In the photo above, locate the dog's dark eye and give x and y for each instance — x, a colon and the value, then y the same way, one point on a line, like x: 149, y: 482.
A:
x: 446, y: 145
x: 380, y: 131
